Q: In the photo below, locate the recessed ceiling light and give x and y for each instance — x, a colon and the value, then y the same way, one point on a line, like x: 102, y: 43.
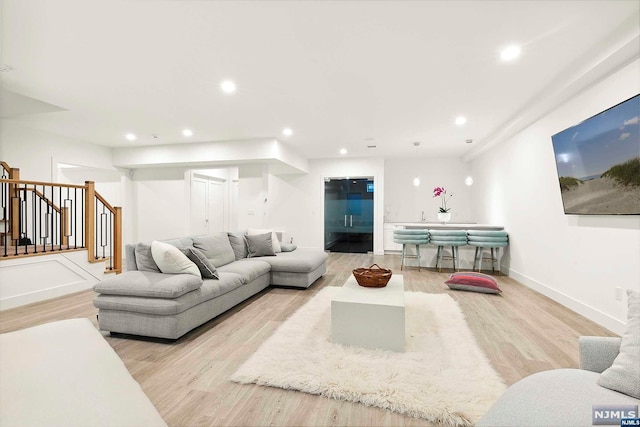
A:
x: 287, y: 131
x: 343, y: 151
x: 510, y: 53
x: 460, y: 120
x: 468, y: 180
x: 187, y: 132
x: 228, y: 86
x: 416, y: 181
x: 130, y: 137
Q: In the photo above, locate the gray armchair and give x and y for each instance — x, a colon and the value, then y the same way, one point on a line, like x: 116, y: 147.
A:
x: 561, y: 397
x: 598, y: 353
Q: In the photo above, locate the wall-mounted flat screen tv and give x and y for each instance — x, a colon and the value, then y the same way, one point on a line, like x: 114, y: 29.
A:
x: 598, y: 162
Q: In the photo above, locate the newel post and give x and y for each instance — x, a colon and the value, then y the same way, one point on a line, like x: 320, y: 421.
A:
x: 90, y: 219
x: 117, y: 239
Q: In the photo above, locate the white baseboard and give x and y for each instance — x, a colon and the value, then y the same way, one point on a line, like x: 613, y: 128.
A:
x: 593, y: 314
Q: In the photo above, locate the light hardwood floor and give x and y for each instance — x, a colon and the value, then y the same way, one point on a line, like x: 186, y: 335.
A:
x: 521, y: 332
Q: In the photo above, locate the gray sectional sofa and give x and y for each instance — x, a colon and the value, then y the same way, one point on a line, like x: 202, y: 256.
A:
x: 144, y: 301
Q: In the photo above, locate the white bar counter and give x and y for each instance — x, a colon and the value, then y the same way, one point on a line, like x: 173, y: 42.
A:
x: 428, y: 252
x: 447, y: 226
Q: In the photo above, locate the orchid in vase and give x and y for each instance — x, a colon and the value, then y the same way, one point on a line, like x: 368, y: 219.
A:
x: 442, y: 193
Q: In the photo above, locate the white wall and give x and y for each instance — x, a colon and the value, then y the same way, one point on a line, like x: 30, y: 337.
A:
x: 577, y: 260
x: 161, y: 199
x: 107, y: 182
x: 27, y: 280
x: 36, y: 152
x: 161, y: 203
x: 292, y: 209
x: 403, y: 202
x: 297, y: 202
x: 252, y: 191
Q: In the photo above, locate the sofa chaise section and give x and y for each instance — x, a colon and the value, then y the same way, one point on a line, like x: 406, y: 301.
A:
x: 126, y: 307
x: 298, y: 269
x: 131, y: 315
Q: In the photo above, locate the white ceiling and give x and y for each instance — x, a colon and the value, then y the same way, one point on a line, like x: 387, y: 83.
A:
x: 339, y: 73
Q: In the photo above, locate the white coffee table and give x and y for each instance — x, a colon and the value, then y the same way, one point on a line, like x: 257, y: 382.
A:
x: 369, y: 317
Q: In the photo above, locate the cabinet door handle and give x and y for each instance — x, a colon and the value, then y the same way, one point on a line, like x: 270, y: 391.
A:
x: 350, y: 220
x: 345, y: 220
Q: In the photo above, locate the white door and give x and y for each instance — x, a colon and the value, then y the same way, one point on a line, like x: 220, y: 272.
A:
x: 199, y: 206
x: 208, y: 205
x: 216, y: 206
x: 235, y: 198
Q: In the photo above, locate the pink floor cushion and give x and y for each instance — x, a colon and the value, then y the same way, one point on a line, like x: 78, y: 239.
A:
x: 476, y: 282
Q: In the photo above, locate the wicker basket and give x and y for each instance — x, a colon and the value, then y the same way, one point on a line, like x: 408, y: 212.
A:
x: 372, y: 277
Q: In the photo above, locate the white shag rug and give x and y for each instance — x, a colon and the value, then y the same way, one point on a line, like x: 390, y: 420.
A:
x: 442, y: 376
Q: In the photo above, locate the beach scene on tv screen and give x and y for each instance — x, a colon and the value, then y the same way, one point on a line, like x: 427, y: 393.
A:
x: 598, y: 162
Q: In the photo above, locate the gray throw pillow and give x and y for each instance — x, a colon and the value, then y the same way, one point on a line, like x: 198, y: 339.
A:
x: 144, y: 259
x: 207, y: 269
x: 624, y: 375
x: 216, y: 248
x: 259, y: 245
x: 238, y: 244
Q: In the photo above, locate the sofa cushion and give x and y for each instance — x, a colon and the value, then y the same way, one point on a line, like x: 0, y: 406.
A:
x: 149, y: 284
x: 171, y: 260
x: 477, y: 282
x: 302, y: 260
x: 238, y: 244
x: 180, y: 242
x: 144, y: 258
x: 624, y: 374
x: 249, y: 269
x: 259, y: 245
x: 169, y: 306
x: 274, y: 238
x: 216, y: 247
x: 207, y: 269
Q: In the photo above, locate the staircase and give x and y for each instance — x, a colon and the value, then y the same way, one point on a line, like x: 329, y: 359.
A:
x: 44, y: 218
